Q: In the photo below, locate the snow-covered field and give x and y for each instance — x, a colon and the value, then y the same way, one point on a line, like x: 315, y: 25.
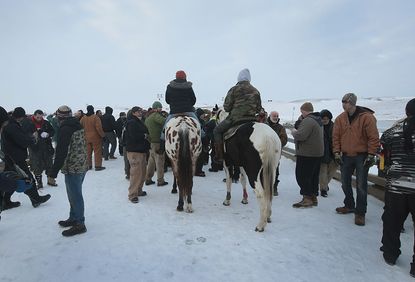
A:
x: 150, y: 241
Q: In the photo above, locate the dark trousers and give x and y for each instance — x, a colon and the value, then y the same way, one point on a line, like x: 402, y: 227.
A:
x: 307, y: 171
x: 397, y: 207
x: 109, y: 138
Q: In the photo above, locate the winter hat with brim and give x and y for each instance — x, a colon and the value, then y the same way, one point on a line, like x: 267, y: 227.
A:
x: 244, y: 75
x: 19, y: 112
x: 180, y: 75
x: 64, y: 112
x: 157, y: 105
x: 350, y: 98
x: 410, y: 108
x: 308, y: 107
x: 3, y: 116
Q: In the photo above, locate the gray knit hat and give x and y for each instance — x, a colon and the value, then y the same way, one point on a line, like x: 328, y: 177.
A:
x: 351, y: 98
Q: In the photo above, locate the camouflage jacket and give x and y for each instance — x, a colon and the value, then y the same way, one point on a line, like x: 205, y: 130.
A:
x: 243, y: 102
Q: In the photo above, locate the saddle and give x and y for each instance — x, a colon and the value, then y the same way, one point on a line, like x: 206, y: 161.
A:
x: 231, y: 131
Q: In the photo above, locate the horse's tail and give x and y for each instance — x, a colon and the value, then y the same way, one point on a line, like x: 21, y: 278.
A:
x: 269, y: 164
x: 184, y: 163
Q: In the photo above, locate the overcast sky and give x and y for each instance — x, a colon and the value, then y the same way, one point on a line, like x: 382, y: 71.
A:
x: 105, y: 52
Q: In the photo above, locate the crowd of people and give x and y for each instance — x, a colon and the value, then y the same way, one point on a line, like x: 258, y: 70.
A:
x: 350, y: 143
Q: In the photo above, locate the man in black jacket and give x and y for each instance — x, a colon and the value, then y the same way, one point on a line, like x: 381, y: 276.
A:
x: 109, y: 125
x: 15, y: 142
x: 137, y: 147
x: 121, y: 122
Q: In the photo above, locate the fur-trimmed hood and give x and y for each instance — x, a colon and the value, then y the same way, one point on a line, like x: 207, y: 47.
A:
x: 180, y: 84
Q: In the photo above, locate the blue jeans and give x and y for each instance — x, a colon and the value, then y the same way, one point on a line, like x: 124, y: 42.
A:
x: 351, y: 163
x: 170, y: 116
x: 73, y: 184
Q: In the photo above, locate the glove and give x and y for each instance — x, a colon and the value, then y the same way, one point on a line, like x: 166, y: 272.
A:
x: 338, y: 159
x: 369, y: 161
x: 44, y: 135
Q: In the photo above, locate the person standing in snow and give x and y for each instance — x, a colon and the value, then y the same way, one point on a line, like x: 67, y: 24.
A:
x: 71, y: 159
x: 243, y: 103
x: 109, y: 125
x: 309, y: 148
x: 355, y: 143
x: 398, y: 144
x: 328, y: 166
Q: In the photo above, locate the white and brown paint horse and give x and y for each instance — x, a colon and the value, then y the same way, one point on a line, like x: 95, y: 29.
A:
x: 183, y: 146
x: 256, y: 148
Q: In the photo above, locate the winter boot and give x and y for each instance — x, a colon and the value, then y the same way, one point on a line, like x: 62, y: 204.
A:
x: 324, y: 193
x: 78, y: 228
x: 219, y: 152
x: 315, y: 201
x: 39, y: 181
x: 52, y: 181
x: 67, y: 223
x: 306, y: 202
x: 37, y: 200
x: 7, y: 204
x: 359, y: 219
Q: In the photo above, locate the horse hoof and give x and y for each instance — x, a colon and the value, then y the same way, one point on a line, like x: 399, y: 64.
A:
x: 189, y: 211
x: 174, y: 191
x: 269, y: 220
x: 179, y: 209
x: 226, y: 203
x: 259, y: 229
x: 244, y: 201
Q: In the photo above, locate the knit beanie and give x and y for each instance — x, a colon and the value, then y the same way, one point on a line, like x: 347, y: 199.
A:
x: 157, y: 105
x: 180, y: 75
x: 351, y: 98
x: 244, y: 75
x: 410, y: 108
x: 326, y: 113
x: 19, y: 112
x: 90, y: 110
x: 63, y: 112
x: 307, y: 106
x: 3, y: 116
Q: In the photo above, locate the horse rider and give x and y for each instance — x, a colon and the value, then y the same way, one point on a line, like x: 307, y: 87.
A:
x: 243, y: 102
x: 181, y: 98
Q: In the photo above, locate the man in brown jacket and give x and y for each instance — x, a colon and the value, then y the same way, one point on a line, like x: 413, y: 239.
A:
x: 355, y: 142
x: 93, y: 135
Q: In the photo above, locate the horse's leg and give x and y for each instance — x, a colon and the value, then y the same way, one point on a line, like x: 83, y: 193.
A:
x: 189, y: 204
x: 227, y: 201
x: 259, y: 191
x: 180, y: 204
x: 269, y: 210
x: 174, y: 190
x: 243, y: 178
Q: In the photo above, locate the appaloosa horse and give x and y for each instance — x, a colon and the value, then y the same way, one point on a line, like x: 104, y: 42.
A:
x: 183, y: 146
x: 256, y: 148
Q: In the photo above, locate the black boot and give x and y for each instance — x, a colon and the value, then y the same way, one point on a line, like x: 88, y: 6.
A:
x: 74, y: 230
x: 35, y: 198
x: 39, y: 181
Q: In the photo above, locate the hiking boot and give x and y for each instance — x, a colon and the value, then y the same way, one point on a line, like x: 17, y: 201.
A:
x: 98, y: 168
x: 67, y: 223
x: 106, y: 158
x: 306, y: 202
x: 164, y: 183
x: 113, y: 158
x: 10, y: 205
x: 344, y: 210
x: 134, y: 200
x: 150, y: 182
x: 78, y: 228
x: 359, y: 219
x: 39, y: 200
x: 39, y: 182
x: 142, y: 194
x: 323, y: 193
x: 200, y: 173
x: 52, y: 181
x: 389, y: 259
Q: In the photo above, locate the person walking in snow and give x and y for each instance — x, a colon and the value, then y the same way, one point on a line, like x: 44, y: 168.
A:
x: 355, y: 143
x: 71, y: 159
x: 243, y: 103
x: 398, y: 144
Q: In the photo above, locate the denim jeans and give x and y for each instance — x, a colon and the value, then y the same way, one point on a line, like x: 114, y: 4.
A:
x: 350, y: 164
x: 73, y: 184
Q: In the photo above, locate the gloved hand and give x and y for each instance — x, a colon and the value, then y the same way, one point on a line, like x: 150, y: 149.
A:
x: 338, y: 158
x: 369, y: 161
x: 44, y: 135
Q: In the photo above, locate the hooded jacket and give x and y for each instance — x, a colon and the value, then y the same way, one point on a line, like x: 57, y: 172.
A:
x: 180, y: 96
x: 309, y: 139
x: 108, y: 121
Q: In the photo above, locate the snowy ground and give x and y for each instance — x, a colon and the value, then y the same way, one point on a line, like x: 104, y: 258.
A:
x: 150, y: 241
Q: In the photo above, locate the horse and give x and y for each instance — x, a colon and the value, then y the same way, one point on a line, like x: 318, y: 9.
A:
x: 256, y: 148
x: 183, y: 146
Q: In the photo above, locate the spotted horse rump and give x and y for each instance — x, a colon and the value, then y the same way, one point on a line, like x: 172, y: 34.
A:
x: 183, y: 146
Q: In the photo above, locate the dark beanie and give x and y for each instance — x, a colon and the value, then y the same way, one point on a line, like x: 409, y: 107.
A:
x: 180, y: 74
x: 3, y: 116
x: 90, y: 109
x: 326, y: 113
x: 19, y: 112
x: 410, y: 108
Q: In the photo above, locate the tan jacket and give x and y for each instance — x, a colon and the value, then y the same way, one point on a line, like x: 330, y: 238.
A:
x: 93, y: 128
x: 360, y: 136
